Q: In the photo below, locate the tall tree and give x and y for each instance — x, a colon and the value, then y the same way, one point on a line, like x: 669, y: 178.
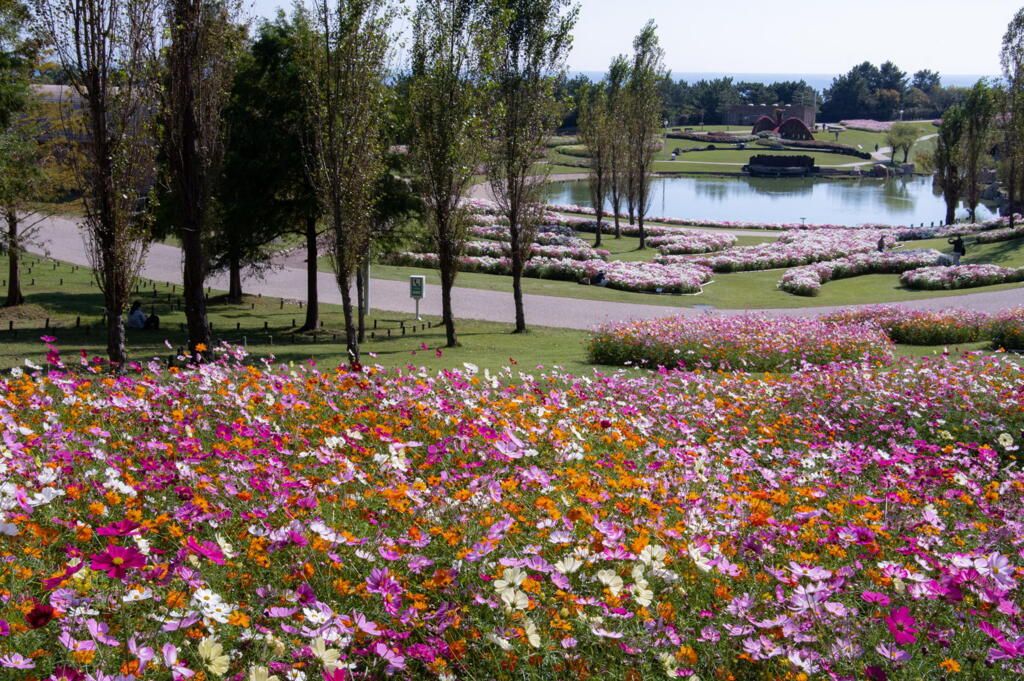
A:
x: 107, y: 50
x: 890, y: 77
x: 265, y: 190
x: 452, y: 54
x: 537, y: 37
x: 344, y: 62
x: 1011, y: 57
x: 901, y: 137
x: 948, y: 159
x: 21, y: 156
x: 615, y: 84
x: 23, y: 181
x: 926, y: 80
x: 643, y: 124
x: 205, y: 40
x: 595, y: 132
x: 978, y: 110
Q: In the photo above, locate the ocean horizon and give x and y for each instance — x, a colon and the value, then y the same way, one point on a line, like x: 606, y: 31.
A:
x: 818, y: 81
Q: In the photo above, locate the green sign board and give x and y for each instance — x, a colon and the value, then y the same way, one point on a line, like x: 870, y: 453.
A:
x: 416, y: 286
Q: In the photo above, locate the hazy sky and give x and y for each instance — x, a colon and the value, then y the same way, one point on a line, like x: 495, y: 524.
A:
x: 781, y: 36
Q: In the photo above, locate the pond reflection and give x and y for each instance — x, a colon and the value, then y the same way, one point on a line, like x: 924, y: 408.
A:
x: 759, y: 199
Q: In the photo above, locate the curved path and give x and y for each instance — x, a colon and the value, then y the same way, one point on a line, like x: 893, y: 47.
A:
x: 60, y: 238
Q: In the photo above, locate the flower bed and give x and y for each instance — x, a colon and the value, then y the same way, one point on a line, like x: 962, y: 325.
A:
x: 960, y: 276
x: 564, y: 236
x: 242, y: 522
x: 499, y: 249
x: 746, y: 342
x: 642, y: 277
x: 1006, y: 329
x: 867, y: 125
x: 919, y: 327
x: 807, y: 280
x: 789, y: 250
x: 726, y: 224
x: 691, y: 241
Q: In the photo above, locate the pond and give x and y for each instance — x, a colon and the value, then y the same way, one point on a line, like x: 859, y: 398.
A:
x: 898, y: 201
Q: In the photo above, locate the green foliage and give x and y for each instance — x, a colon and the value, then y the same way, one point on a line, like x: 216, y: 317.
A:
x: 901, y: 137
x: 18, y: 50
x: 265, y: 190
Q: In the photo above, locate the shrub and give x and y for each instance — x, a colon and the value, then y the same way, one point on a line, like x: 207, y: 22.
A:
x: 742, y: 343
x: 782, y: 161
x: 960, y: 276
x: 1007, y: 329
x: 808, y: 279
x: 919, y: 327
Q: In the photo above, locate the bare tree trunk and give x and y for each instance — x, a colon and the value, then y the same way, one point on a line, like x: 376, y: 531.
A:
x: 116, y: 341
x: 351, y: 337
x: 616, y: 207
x: 517, y: 290
x: 235, y: 280
x: 360, y: 307
x: 951, y: 201
x: 195, y: 298
x: 448, y: 268
x: 14, y: 294
x: 597, y: 241
x: 312, y: 294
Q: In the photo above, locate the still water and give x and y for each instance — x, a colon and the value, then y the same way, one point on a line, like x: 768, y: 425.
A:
x: 900, y: 201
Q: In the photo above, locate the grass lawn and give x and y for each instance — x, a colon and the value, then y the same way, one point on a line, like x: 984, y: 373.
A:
x: 743, y: 290
x: 485, y: 344
x: 65, y: 294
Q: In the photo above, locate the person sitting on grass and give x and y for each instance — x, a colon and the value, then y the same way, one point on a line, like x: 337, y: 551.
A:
x: 137, y: 319
x: 958, y: 248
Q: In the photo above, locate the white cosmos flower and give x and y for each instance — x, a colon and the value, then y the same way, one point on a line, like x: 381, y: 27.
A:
x: 532, y: 635
x: 511, y: 577
x: 212, y: 654
x: 653, y: 555
x: 611, y: 580
x: 514, y: 599
x: 568, y: 565
x: 327, y: 656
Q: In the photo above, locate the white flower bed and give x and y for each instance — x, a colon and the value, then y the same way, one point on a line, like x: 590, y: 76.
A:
x: 548, y: 237
x: 789, y: 250
x: 691, y: 241
x: 499, y: 249
x: 626, y: 276
x: 960, y: 276
x: 808, y: 279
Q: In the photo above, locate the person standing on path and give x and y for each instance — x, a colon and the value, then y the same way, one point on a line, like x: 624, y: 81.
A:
x: 958, y: 248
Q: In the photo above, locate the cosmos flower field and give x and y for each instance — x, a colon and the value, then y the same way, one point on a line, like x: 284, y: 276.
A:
x: 250, y: 521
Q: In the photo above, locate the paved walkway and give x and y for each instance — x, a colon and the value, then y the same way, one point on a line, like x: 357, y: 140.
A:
x: 61, y: 239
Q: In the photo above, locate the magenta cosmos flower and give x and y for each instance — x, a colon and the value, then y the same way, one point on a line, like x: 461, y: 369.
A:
x: 901, y: 625
x: 116, y: 561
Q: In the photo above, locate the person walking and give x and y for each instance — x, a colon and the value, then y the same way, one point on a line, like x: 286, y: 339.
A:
x: 958, y: 248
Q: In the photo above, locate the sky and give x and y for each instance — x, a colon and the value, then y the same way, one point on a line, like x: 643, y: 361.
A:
x: 780, y: 36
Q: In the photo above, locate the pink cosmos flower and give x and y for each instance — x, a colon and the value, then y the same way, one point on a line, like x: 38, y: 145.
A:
x: 16, y: 661
x: 394, y: 660
x: 119, y: 529
x: 116, y: 561
x: 891, y: 652
x: 207, y: 549
x: 901, y: 625
x: 65, y: 673
x: 875, y: 597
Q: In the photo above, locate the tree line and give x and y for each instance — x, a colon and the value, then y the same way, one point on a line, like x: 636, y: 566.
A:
x: 187, y: 122
x: 985, y: 131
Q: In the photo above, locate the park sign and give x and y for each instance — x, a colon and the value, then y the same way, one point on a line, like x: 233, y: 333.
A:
x: 416, y: 282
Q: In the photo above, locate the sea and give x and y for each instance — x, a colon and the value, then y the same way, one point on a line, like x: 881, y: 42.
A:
x: 818, y: 81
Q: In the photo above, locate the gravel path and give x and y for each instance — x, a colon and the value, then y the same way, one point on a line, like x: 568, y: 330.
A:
x: 60, y: 238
